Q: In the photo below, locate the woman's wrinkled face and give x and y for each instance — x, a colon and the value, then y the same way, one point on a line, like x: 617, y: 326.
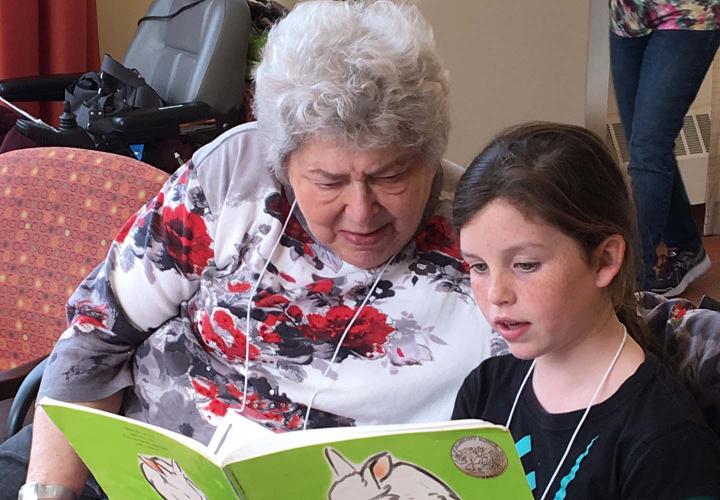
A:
x: 364, y: 205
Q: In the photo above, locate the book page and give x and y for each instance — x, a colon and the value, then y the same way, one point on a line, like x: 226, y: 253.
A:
x: 131, y: 459
x: 234, y: 433
x: 440, y: 461
x: 272, y: 442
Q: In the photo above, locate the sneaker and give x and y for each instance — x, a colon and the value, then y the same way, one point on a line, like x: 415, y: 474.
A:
x: 681, y: 268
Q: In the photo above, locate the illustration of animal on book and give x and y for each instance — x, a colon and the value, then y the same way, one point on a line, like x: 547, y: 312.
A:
x: 383, y: 477
x: 168, y: 479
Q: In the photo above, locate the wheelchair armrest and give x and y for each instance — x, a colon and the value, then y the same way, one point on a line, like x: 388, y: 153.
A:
x: 37, y: 88
x: 24, y: 398
x: 44, y: 135
x: 148, y: 123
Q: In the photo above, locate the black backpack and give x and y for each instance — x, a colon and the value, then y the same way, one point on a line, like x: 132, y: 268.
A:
x: 98, y: 96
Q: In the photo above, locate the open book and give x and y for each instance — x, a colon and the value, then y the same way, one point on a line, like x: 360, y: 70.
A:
x: 463, y: 459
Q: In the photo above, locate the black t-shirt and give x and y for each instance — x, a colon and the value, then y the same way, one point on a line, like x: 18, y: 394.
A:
x: 648, y: 440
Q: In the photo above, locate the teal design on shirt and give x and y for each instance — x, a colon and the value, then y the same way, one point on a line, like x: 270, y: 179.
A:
x: 564, y: 482
x: 523, y: 447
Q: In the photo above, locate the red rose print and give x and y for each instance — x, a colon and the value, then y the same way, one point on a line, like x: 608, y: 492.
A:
x: 238, y: 286
x: 464, y: 266
x: 234, y: 350
x: 218, y: 407
x: 86, y: 321
x: 122, y: 234
x: 366, y: 337
x: 89, y: 314
x: 262, y: 412
x: 266, y: 328
x: 678, y: 311
x: 258, y: 408
x: 274, y: 319
x: 294, y: 312
x: 264, y: 299
x: 234, y: 391
x: 271, y: 337
x: 438, y: 236
x: 184, y: 177
x: 295, y: 422
x: 223, y: 319
x: 277, y: 205
x: 308, y: 251
x: 205, y: 388
x: 287, y: 277
x: 209, y: 390
x: 150, y: 209
x: 186, y: 239
x: 295, y: 231
x: 321, y: 286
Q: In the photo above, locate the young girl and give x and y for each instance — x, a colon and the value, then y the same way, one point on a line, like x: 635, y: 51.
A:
x: 547, y: 226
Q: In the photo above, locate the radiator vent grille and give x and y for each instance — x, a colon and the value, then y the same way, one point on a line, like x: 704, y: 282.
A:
x: 694, y: 138
x: 703, y: 121
x: 611, y: 143
x: 620, y: 142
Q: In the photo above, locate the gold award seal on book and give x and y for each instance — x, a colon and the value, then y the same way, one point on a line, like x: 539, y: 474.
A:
x: 479, y: 457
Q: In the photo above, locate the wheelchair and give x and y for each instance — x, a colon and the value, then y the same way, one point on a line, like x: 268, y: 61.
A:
x: 192, y: 53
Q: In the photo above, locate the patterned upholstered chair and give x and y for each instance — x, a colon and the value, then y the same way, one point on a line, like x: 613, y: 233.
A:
x: 690, y: 337
x: 59, y: 211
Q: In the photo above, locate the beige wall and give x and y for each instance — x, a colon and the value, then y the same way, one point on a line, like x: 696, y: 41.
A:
x: 509, y: 61
x: 117, y: 21
x: 518, y: 60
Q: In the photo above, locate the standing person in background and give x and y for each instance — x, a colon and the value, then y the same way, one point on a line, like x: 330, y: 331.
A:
x: 660, y: 51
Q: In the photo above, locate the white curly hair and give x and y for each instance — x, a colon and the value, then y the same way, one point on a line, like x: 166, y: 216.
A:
x: 366, y: 73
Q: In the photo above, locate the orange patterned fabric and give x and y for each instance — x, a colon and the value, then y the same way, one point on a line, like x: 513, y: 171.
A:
x: 60, y: 209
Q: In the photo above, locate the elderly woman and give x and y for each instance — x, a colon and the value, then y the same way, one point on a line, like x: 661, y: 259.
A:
x: 301, y: 270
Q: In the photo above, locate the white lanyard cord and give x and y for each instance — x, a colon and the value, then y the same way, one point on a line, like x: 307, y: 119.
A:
x: 249, y: 306
x: 517, y: 396
x: 342, y: 337
x: 582, y: 420
x: 318, y: 386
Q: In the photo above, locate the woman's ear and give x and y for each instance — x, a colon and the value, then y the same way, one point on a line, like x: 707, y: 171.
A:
x: 608, y: 259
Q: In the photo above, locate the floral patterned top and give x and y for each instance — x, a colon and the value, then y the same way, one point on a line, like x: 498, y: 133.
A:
x: 632, y: 18
x: 164, y: 316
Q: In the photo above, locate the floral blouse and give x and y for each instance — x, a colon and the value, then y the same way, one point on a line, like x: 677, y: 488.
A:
x: 632, y: 18
x: 164, y: 316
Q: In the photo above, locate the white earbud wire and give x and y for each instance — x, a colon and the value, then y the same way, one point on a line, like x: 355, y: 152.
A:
x: 249, y: 306
x: 318, y: 386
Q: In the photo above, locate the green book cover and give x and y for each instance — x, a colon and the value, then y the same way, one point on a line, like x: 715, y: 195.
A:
x: 464, y: 459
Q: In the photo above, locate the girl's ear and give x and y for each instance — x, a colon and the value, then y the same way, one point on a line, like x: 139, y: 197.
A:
x: 608, y: 259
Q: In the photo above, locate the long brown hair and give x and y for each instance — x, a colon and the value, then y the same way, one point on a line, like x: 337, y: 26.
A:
x: 564, y: 175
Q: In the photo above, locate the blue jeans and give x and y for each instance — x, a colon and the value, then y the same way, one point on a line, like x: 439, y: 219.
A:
x: 656, y: 79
